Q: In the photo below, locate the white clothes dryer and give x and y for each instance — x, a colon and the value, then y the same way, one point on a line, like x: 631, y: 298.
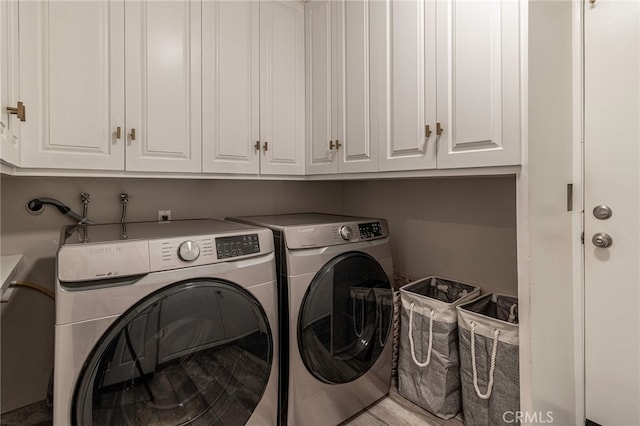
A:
x: 336, y: 314
x: 166, y: 323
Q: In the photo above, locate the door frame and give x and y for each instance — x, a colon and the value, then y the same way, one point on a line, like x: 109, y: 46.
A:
x: 530, y: 190
x: 578, y: 261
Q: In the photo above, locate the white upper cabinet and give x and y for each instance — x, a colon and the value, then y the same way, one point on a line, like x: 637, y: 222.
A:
x: 72, y: 80
x: 409, y: 136
x: 163, y: 85
x: 340, y: 43
x: 9, y: 82
x: 271, y: 87
x: 321, y: 92
x: 356, y: 151
x: 231, y: 86
x: 478, y: 83
x: 72, y: 83
x: 253, y: 87
x: 282, y: 112
x: 453, y: 84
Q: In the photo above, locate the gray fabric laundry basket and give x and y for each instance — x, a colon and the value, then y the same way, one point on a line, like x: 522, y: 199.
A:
x: 428, y: 366
x: 489, y: 366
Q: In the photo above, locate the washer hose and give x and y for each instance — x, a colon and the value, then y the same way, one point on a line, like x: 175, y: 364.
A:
x: 50, y: 294
x: 37, y: 204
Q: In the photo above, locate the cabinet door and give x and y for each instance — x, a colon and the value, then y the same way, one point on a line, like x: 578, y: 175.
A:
x: 282, y: 87
x: 478, y: 83
x: 72, y: 83
x: 411, y: 86
x: 231, y: 86
x: 9, y: 124
x: 357, y: 153
x: 163, y: 97
x: 321, y: 87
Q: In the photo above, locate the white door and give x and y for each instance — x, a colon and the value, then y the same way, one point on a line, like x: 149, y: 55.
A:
x: 72, y: 83
x: 9, y: 83
x: 282, y: 109
x: 478, y: 83
x: 612, y: 178
x: 231, y: 86
x: 163, y: 92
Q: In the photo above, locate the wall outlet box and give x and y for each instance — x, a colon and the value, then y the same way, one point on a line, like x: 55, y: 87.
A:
x: 164, y: 215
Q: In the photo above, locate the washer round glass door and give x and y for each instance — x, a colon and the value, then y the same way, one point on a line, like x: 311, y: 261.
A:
x: 196, y: 352
x: 345, y: 318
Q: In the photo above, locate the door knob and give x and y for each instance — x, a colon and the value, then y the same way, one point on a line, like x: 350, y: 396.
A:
x: 602, y: 240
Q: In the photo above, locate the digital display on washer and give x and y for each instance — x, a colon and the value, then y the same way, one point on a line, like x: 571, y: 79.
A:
x: 370, y: 230
x: 238, y: 245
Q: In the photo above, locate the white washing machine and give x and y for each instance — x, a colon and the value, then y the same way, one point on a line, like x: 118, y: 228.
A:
x: 334, y: 278
x: 166, y: 323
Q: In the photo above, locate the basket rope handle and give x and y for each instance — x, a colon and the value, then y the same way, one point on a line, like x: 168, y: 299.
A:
x: 492, y: 367
x: 512, y: 313
x: 413, y: 348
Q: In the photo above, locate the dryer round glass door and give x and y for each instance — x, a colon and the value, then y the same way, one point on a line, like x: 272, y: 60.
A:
x: 345, y: 318
x: 197, y: 352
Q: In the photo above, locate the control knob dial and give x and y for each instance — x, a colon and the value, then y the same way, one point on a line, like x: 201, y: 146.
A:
x: 189, y: 251
x: 346, y: 232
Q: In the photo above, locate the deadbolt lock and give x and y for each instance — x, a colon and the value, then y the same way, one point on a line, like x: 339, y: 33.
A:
x: 602, y: 212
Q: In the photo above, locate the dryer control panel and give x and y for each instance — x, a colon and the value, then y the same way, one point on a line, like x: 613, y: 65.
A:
x: 370, y: 230
x: 325, y: 235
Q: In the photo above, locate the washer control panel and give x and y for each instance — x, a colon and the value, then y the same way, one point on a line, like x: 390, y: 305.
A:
x: 203, y: 250
x: 101, y: 252
x: 237, y: 245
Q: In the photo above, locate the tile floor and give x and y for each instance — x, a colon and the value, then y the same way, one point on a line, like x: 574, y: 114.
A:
x: 393, y: 410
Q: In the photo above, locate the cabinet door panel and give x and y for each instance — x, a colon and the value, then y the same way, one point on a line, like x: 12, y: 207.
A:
x: 9, y: 83
x: 320, y: 87
x: 478, y: 83
x: 163, y: 85
x: 358, y: 154
x: 72, y: 83
x: 412, y: 87
x: 231, y: 91
x: 282, y: 87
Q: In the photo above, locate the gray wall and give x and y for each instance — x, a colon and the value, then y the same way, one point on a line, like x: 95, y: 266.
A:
x: 459, y: 228
x: 463, y: 229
